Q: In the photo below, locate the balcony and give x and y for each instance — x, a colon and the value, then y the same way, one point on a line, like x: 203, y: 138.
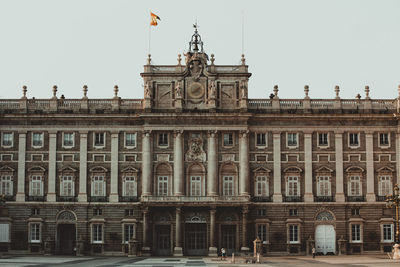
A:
x: 355, y: 198
x: 380, y: 198
x: 35, y: 198
x: 324, y: 199
x: 292, y: 199
x: 98, y: 199
x: 195, y: 198
x: 128, y: 199
x: 262, y: 199
x: 9, y: 198
x: 66, y: 199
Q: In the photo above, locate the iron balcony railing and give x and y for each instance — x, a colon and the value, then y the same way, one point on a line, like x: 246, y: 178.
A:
x: 355, y: 199
x: 293, y: 199
x: 66, y: 199
x: 262, y: 199
x: 324, y: 199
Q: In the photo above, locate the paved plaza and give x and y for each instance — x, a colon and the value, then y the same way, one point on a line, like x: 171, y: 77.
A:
x: 285, y: 261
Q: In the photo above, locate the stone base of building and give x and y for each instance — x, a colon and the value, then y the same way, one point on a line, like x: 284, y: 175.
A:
x: 146, y: 251
x: 178, y: 252
x: 212, y: 252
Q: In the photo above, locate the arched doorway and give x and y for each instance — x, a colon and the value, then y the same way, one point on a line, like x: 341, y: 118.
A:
x: 162, y: 234
x: 66, y: 233
x: 325, y: 234
x: 196, y: 234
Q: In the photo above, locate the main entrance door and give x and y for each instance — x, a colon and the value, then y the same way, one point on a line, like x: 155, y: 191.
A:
x: 195, y: 239
x: 163, y: 240
x: 228, y: 235
x: 66, y: 238
x: 325, y: 239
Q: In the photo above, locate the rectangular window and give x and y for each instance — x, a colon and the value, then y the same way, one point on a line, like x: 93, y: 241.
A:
x: 293, y: 188
x: 353, y: 139
x: 356, y: 233
x: 68, y: 139
x: 97, y: 234
x: 261, y: 139
x: 293, y: 212
x: 324, y: 186
x: 129, y: 232
x: 7, y: 140
x: 385, y: 185
x: 355, y: 212
x: 67, y: 186
x: 98, y: 186
x: 130, y: 139
x: 35, y: 211
x: 228, y: 139
x: 99, y: 139
x: 129, y: 212
x: 323, y: 139
x: 387, y: 232
x: 195, y: 186
x: 162, y: 186
x: 6, y: 185
x: 354, y: 186
x: 36, y: 186
x: 262, y: 232
x: 4, y: 232
x: 227, y: 186
x: 293, y: 233
x: 163, y: 139
x: 292, y: 139
x: 130, y: 186
x: 35, y: 232
x: 261, y: 186
x: 37, y: 139
x: 384, y: 139
x: 97, y: 212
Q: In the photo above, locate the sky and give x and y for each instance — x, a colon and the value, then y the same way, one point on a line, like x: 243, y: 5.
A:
x: 289, y: 43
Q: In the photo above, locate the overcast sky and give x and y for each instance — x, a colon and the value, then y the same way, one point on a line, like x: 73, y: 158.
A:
x: 350, y: 43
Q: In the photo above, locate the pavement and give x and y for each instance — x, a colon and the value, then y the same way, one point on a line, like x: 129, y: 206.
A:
x: 284, y: 261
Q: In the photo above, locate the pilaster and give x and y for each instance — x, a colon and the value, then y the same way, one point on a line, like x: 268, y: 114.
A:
x: 243, y: 163
x: 277, y: 197
x: 178, y: 247
x: 339, y: 197
x: 244, y: 247
x: 51, y: 191
x: 308, y: 194
x: 146, y: 164
x: 212, y: 162
x: 21, y: 167
x: 82, y: 196
x: 178, y: 163
x: 114, y: 167
x: 212, y: 250
x: 369, y: 150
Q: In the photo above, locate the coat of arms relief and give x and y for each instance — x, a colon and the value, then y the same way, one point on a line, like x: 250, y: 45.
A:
x: 195, y: 152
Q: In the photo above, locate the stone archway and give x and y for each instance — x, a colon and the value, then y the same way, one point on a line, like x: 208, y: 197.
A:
x: 66, y: 233
x: 325, y: 233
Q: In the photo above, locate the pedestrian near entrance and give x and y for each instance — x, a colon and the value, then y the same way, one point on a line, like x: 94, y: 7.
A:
x: 313, y: 252
x: 223, y: 254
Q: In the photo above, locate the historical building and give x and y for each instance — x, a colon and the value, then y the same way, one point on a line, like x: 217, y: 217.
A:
x: 196, y: 166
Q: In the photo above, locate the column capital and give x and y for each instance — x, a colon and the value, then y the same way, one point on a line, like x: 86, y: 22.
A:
x: 276, y: 134
x: 146, y: 132
x: 52, y: 133
x: 212, y: 133
x: 339, y: 132
x: 245, y: 210
x: 114, y: 133
x: 369, y: 132
x: 244, y: 133
x: 83, y: 133
x: 308, y: 133
x: 178, y: 132
x: 22, y: 133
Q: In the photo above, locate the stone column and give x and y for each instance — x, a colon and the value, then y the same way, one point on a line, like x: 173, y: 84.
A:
x: 243, y: 163
x: 51, y: 190
x: 82, y: 196
x: 369, y: 151
x: 212, y: 250
x: 146, y: 164
x: 339, y: 166
x: 145, y: 246
x: 244, y: 230
x: 178, y: 163
x: 277, y: 197
x: 178, y: 247
x: 397, y: 180
x: 21, y: 166
x: 114, y: 167
x: 212, y: 176
x: 308, y: 194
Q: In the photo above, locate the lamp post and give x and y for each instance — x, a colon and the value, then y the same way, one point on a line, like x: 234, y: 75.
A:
x: 394, y: 200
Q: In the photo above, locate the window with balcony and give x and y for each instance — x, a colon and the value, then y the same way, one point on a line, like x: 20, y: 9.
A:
x: 36, y: 185
x: 97, y: 233
x: 130, y: 140
x: 7, y: 139
x: 324, y: 186
x: 354, y: 186
x: 261, y: 186
x: 34, y: 232
x: 292, y: 186
x: 293, y: 233
x: 195, y: 186
x: 323, y: 139
x: 163, y: 139
x: 261, y: 139
x: 228, y: 139
x: 67, y: 186
x: 6, y: 185
x: 37, y: 139
x: 68, y: 139
x: 292, y: 140
x: 98, y: 186
x: 129, y: 186
x: 99, y: 139
x: 385, y: 185
x: 228, y: 186
x: 162, y: 185
x: 354, y: 139
x: 384, y: 139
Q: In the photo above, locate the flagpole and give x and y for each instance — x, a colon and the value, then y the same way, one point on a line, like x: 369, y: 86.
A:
x: 149, y: 35
x: 242, y: 31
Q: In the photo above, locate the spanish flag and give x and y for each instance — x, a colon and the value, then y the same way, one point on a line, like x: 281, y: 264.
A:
x: 153, y: 20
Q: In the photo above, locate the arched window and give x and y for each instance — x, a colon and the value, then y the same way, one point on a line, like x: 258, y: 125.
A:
x: 129, y: 182
x: 67, y: 182
x: 261, y: 182
x: 229, y: 180
x: 98, y: 180
x: 195, y: 183
x: 162, y: 182
x: 292, y: 178
x: 6, y: 181
x: 324, y: 182
x: 36, y: 181
x: 385, y: 178
x: 354, y: 181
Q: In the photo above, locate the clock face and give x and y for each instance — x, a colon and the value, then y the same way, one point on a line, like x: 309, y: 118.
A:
x: 196, y: 90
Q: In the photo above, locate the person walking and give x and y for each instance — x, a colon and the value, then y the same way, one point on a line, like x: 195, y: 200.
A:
x: 313, y: 252
x: 223, y: 254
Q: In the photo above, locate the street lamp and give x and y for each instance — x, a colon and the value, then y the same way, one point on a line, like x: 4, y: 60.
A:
x: 394, y: 200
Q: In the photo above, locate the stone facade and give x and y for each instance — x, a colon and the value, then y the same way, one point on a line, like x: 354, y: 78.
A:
x: 196, y: 166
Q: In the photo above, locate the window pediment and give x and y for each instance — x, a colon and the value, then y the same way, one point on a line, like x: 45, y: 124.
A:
x: 37, y: 169
x: 293, y: 169
x: 385, y: 169
x: 354, y: 169
x: 324, y: 169
x: 68, y: 170
x: 98, y: 169
x: 6, y: 169
x: 130, y: 169
x: 263, y: 170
